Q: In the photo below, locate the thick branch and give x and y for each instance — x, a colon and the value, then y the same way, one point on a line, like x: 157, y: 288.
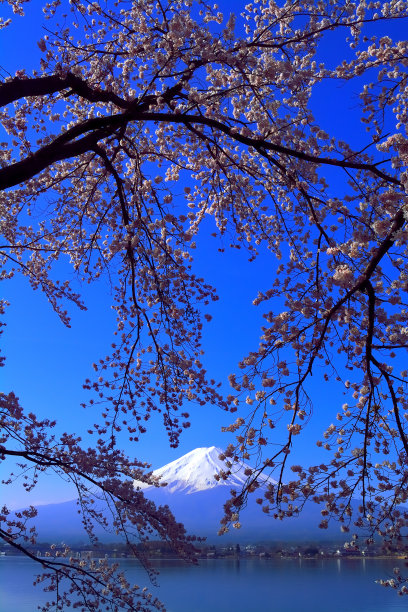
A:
x: 263, y: 145
x: 27, y: 168
x: 58, y: 150
x: 42, y: 86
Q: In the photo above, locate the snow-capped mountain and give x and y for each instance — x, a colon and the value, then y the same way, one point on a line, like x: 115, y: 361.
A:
x: 196, y: 499
x: 196, y: 472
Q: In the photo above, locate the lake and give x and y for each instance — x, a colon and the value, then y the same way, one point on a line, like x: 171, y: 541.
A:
x: 239, y: 585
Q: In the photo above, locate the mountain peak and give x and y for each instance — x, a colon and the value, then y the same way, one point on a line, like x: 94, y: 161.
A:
x: 196, y: 471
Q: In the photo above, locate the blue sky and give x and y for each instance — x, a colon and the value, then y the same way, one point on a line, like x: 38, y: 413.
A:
x: 47, y: 363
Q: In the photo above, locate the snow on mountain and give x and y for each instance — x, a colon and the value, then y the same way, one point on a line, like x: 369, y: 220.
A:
x: 196, y: 471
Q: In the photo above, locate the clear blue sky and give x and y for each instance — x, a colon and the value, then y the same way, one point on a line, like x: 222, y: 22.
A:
x: 47, y: 363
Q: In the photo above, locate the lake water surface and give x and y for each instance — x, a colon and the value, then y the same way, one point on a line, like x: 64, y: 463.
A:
x: 241, y: 585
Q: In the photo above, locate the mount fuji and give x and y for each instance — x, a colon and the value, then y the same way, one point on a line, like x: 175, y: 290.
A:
x: 196, y: 499
x: 196, y: 471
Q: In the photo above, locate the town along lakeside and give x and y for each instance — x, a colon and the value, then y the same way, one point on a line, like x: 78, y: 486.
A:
x: 161, y: 550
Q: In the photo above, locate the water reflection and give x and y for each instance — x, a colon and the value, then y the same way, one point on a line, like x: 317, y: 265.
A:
x: 238, y: 584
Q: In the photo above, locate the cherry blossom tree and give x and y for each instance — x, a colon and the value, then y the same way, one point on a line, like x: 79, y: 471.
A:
x: 134, y: 99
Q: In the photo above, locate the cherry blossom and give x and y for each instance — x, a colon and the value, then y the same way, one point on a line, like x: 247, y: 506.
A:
x: 143, y: 119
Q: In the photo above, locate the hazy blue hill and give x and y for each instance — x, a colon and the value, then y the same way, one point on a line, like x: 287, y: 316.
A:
x: 59, y: 522
x: 200, y: 512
